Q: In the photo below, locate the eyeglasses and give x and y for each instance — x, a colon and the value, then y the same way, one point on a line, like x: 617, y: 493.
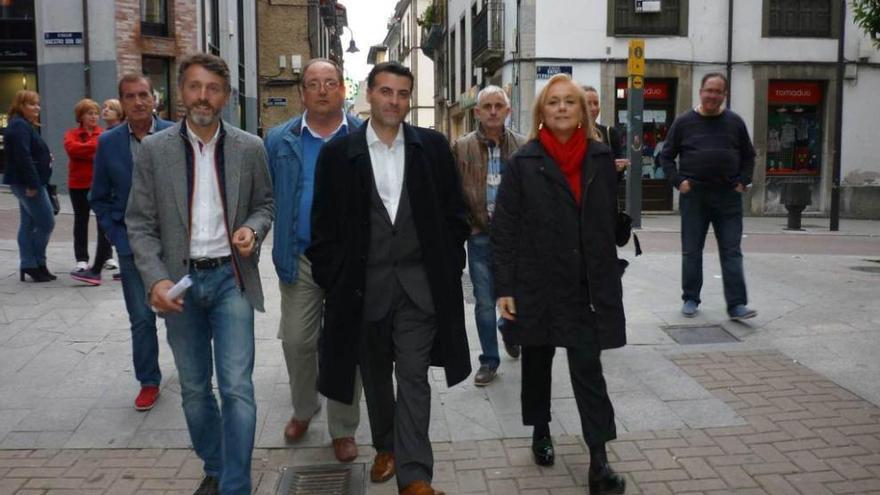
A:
x: 329, y: 85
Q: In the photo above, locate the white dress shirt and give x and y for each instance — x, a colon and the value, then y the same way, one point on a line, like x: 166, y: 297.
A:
x: 208, y: 236
x: 388, y: 166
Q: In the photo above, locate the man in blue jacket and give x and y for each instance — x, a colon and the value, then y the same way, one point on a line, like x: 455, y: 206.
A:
x: 293, y: 149
x: 114, y: 159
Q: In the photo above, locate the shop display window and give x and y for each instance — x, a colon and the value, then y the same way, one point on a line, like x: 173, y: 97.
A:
x: 658, y: 114
x: 794, y: 128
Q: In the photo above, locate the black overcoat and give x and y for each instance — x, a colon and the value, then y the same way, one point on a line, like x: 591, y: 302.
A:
x: 341, y: 238
x: 557, y: 260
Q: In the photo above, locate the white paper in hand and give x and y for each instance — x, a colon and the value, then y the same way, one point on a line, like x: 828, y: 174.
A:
x: 179, y: 288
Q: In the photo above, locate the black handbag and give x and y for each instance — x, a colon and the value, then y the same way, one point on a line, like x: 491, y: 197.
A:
x: 52, y: 189
x: 623, y: 231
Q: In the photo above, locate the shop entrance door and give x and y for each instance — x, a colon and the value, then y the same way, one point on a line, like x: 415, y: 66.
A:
x: 659, y: 112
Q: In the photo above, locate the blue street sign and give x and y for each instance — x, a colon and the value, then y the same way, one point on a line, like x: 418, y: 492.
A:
x: 548, y: 71
x: 63, y: 39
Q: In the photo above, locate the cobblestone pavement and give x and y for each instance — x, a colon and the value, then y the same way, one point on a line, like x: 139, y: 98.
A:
x: 803, y: 435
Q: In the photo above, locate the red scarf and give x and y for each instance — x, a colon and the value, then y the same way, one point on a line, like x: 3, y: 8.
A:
x: 569, y: 156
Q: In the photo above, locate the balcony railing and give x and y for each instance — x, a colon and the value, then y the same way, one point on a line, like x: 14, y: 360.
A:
x: 487, y: 43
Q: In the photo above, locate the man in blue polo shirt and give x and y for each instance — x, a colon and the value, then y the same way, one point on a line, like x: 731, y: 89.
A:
x: 293, y: 149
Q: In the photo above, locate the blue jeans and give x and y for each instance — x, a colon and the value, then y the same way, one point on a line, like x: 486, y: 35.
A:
x: 144, y: 341
x: 722, y: 207
x: 216, y: 310
x: 35, y: 228
x: 480, y: 268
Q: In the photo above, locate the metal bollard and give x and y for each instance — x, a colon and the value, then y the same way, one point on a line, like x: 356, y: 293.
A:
x: 795, y: 196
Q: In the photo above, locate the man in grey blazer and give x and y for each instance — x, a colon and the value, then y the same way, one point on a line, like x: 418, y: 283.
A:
x: 200, y: 203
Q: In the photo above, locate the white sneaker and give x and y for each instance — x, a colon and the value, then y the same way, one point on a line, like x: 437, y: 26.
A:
x: 81, y: 266
x: 110, y: 264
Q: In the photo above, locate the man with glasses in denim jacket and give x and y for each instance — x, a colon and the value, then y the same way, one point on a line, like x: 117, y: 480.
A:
x: 293, y: 149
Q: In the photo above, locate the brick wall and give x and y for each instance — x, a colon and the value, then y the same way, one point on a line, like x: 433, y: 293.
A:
x: 283, y: 30
x: 131, y: 45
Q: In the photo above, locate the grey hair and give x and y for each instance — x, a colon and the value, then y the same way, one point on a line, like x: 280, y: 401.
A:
x: 492, y: 90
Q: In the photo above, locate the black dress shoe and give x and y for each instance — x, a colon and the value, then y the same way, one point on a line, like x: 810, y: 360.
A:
x: 542, y: 449
x: 513, y: 350
x: 605, y: 480
x: 209, y: 486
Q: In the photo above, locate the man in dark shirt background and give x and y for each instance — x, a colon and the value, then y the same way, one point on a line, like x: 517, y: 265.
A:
x: 715, y: 162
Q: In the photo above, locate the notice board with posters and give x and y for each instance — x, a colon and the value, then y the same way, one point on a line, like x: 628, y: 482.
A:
x: 794, y: 128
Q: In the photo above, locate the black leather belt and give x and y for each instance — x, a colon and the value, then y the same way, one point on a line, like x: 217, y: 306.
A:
x: 209, y: 263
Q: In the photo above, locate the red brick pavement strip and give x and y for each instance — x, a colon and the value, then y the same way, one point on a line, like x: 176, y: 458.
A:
x: 805, y: 435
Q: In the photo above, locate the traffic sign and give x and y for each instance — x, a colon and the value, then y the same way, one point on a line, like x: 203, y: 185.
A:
x: 636, y: 62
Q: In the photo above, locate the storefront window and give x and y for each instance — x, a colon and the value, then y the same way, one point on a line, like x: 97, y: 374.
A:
x: 794, y: 128
x: 658, y: 114
x: 18, y: 59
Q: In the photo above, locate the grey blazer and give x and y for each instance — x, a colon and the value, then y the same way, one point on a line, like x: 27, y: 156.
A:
x: 158, y: 213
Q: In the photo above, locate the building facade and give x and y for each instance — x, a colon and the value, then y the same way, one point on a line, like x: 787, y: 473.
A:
x: 291, y: 33
x: 70, y: 49
x: 404, y: 44
x: 781, y: 56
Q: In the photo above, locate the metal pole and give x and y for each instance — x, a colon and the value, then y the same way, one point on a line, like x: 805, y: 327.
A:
x: 87, y: 69
x: 635, y: 69
x: 838, y: 123
x: 634, y: 108
x: 729, y: 52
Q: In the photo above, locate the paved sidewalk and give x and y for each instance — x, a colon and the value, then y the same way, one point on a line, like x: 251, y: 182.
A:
x: 803, y: 435
x: 802, y: 381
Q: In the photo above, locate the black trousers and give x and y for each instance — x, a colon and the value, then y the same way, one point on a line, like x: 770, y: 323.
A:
x: 79, y: 199
x: 590, y: 392
x: 400, y: 344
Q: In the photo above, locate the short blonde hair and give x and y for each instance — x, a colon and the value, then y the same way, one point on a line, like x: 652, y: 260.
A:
x: 22, y: 97
x: 538, y: 117
x: 114, y: 105
x: 83, y: 107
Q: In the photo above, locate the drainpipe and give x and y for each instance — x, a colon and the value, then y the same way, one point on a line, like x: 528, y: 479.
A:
x: 834, y: 223
x: 87, y: 69
x: 729, y: 52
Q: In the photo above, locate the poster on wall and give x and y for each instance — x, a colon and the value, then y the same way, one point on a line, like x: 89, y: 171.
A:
x: 794, y: 128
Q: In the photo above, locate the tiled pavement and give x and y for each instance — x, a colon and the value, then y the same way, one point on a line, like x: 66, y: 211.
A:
x: 803, y: 434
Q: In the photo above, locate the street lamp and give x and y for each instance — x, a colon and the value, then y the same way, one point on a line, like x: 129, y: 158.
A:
x: 352, y: 48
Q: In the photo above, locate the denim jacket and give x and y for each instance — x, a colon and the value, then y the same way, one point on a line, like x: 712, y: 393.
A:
x: 284, y: 149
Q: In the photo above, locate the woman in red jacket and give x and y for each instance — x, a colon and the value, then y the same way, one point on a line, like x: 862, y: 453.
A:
x: 81, y: 143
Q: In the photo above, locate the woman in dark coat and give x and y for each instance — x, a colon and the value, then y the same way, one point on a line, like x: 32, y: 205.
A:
x: 556, y: 273
x: 28, y: 168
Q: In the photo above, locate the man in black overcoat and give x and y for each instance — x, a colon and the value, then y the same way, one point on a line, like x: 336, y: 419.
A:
x: 388, y: 232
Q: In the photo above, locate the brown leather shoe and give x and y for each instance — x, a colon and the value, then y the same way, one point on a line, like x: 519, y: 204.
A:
x: 295, y: 429
x: 383, y: 467
x: 345, y: 449
x: 420, y: 488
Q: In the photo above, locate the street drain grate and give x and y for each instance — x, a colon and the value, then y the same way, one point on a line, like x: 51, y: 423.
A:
x: 322, y: 480
x: 699, y: 334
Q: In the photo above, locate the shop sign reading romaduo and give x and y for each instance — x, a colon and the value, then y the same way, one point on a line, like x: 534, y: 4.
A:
x: 654, y: 90
x: 802, y: 93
